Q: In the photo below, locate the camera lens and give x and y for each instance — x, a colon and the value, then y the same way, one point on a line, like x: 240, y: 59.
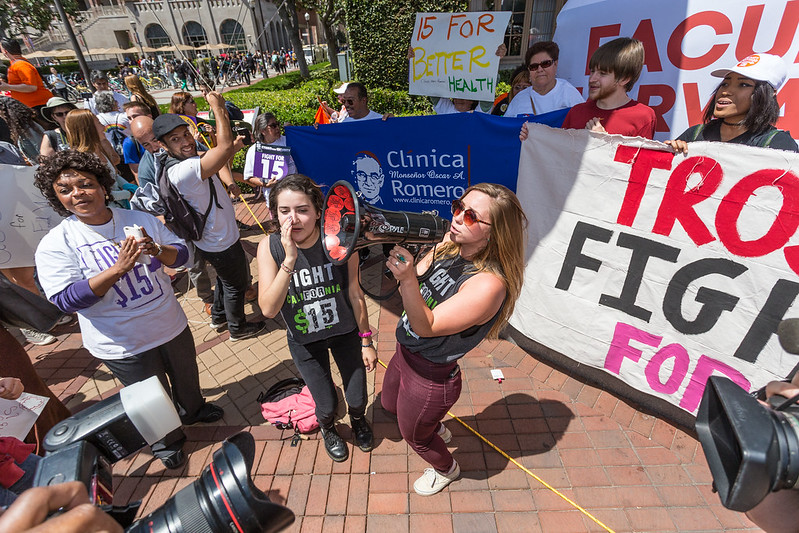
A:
x: 223, y: 499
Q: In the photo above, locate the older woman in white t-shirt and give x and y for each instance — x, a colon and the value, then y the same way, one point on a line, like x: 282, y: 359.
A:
x: 269, y: 159
x: 548, y: 92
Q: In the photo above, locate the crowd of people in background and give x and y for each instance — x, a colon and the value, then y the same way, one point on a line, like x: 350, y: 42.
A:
x: 95, y: 162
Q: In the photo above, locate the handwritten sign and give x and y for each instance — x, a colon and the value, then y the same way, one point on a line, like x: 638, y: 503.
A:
x: 25, y: 216
x: 454, y: 54
x: 18, y: 416
x: 660, y: 269
x: 271, y: 162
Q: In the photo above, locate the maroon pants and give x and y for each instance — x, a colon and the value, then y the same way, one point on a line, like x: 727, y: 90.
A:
x: 420, y: 393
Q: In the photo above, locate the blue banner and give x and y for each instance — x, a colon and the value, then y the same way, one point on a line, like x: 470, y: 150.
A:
x: 414, y: 163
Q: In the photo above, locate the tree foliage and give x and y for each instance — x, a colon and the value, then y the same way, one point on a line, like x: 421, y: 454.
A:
x: 380, y: 33
x: 18, y: 17
x: 288, y: 14
x: 331, y: 14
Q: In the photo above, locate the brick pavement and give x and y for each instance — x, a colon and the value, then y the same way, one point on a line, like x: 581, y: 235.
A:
x: 630, y: 470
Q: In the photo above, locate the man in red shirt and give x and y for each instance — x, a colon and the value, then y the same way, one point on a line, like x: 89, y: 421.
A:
x: 24, y: 81
x: 615, y: 67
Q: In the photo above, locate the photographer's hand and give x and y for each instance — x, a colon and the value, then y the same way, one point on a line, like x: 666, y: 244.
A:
x: 10, y: 388
x: 29, y: 513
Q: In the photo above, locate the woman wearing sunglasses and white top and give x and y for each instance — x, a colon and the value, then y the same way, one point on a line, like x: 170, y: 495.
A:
x: 474, y: 279
x: 547, y: 92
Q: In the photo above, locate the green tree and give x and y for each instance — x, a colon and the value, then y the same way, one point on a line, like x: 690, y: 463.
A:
x: 380, y: 33
x: 19, y: 16
x: 288, y: 14
x: 331, y: 14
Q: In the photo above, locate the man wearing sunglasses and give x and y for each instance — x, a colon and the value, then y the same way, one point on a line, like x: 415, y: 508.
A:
x: 547, y: 92
x: 356, y: 102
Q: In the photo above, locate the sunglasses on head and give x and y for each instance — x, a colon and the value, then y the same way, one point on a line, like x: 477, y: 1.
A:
x: 470, y: 218
x: 532, y: 67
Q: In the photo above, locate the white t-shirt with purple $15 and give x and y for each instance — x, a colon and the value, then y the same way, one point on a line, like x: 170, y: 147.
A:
x: 140, y: 311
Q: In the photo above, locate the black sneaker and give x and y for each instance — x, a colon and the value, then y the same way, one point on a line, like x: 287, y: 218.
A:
x: 253, y: 329
x: 174, y: 461
x: 362, y: 433
x: 205, y: 415
x: 335, y: 446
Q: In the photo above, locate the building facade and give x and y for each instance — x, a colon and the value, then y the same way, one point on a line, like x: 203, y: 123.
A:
x: 245, y: 24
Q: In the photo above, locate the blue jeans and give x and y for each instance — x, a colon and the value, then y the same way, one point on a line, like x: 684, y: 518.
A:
x: 28, y: 466
x: 232, y: 279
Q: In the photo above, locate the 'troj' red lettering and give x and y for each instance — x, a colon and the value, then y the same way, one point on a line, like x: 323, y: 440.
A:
x: 784, y: 226
x: 678, y: 204
x: 642, y: 162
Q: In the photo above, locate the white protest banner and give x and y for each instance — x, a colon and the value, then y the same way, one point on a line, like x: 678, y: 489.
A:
x: 684, y: 42
x: 454, y: 54
x: 657, y: 268
x: 25, y: 216
x: 18, y: 416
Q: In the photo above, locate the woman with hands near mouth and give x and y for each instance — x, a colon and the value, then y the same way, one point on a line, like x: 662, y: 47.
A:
x: 323, y: 307
x: 475, y: 279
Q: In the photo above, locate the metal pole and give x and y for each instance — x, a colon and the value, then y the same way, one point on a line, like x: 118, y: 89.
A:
x: 84, y: 68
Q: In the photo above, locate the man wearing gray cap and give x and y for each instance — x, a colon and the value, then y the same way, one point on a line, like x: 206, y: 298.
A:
x: 219, y: 243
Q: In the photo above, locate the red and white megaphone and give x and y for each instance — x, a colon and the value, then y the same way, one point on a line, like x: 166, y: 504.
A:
x: 349, y: 224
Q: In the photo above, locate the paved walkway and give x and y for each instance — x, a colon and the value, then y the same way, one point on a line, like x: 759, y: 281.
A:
x: 629, y: 470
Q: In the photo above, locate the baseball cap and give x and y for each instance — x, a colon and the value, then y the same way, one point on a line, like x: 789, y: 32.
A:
x: 341, y: 89
x: 759, y: 67
x: 166, y: 123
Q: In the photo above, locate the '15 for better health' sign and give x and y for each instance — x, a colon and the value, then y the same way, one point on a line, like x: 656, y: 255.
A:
x: 454, y: 54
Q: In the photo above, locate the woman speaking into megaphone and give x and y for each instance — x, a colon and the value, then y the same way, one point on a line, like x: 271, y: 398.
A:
x: 323, y: 307
x: 473, y: 280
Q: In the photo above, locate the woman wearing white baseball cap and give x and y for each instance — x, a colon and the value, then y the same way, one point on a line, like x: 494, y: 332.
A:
x: 744, y: 108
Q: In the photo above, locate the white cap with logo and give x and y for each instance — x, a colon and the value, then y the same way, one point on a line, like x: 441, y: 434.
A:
x: 759, y: 67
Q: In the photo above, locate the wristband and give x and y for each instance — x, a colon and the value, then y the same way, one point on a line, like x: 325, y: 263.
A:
x: 287, y: 269
x: 365, y: 335
x: 370, y: 345
x: 160, y: 250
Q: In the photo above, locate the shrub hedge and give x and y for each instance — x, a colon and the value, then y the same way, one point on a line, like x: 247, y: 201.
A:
x: 380, y: 31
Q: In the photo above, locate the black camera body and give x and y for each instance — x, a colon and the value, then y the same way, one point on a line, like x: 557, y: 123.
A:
x: 244, y: 132
x: 751, y: 449
x: 85, y: 446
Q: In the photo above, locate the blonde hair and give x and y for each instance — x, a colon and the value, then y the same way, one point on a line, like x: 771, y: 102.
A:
x: 81, y: 131
x: 133, y: 83
x: 503, y: 255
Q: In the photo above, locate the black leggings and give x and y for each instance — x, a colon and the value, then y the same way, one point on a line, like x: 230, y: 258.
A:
x: 313, y: 362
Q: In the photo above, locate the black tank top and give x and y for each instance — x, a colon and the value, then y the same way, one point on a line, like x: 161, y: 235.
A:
x: 445, y: 280
x: 317, y: 304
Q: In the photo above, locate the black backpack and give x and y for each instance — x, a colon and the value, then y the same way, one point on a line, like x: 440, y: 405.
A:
x: 180, y: 216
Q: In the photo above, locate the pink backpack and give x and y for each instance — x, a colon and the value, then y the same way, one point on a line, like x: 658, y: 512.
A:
x: 289, y: 404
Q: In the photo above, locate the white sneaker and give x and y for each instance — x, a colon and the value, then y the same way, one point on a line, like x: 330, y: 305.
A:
x: 433, y: 481
x: 39, y: 338
x: 444, y: 433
